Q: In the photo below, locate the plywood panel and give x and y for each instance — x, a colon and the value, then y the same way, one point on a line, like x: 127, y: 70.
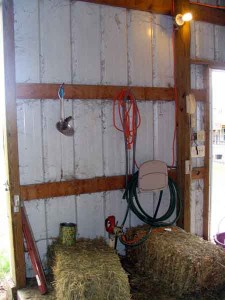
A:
x: 139, y: 48
x: 37, y: 219
x: 30, y: 141
x: 58, y: 211
x: 57, y: 148
x: 113, y: 58
x: 85, y: 43
x: 204, y: 40
x: 90, y: 215
x: 220, y: 43
x: 197, y: 207
x: 164, y: 131
x: 116, y: 205
x: 162, y: 53
x: 55, y: 51
x: 113, y: 143
x: 144, y: 146
x: 42, y: 250
x: 88, y: 139
x: 26, y: 40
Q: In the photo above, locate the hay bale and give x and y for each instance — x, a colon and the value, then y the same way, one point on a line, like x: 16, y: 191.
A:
x: 181, y: 262
x: 89, y: 270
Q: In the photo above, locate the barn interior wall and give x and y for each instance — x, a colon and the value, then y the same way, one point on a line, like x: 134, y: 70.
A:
x: 74, y: 42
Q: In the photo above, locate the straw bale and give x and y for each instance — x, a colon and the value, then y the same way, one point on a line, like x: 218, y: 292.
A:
x: 181, y: 262
x: 89, y: 270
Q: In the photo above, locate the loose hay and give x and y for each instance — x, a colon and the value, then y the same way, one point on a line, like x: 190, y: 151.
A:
x: 89, y: 270
x: 179, y: 262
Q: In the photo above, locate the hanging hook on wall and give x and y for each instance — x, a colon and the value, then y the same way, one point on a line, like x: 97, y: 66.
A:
x: 63, y: 125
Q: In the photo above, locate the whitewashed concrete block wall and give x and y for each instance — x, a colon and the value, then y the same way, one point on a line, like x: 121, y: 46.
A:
x: 73, y: 42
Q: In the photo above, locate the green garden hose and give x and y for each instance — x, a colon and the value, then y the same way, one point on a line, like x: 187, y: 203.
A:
x: 133, y: 203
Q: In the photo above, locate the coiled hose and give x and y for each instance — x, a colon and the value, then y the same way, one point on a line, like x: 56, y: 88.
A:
x: 133, y: 203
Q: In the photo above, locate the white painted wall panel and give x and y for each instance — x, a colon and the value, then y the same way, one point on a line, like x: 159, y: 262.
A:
x: 164, y: 113
x: 26, y: 40
x: 57, y: 148
x: 88, y: 139
x: 30, y: 141
x: 204, y: 39
x: 144, y: 148
x: 116, y: 205
x: 197, y: 207
x: 90, y: 215
x: 85, y: 43
x: 162, y: 53
x: 55, y: 38
x: 59, y: 210
x: 36, y: 215
x: 113, y: 143
x: 113, y: 45
x: 139, y: 48
x: 220, y: 43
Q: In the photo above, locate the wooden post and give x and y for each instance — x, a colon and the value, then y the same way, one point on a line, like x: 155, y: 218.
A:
x: 12, y: 143
x: 206, y: 161
x: 183, y: 84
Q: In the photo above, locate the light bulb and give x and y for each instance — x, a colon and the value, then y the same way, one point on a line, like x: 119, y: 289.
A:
x: 180, y: 19
x: 187, y: 17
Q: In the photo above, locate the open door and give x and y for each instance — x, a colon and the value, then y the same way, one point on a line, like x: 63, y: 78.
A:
x: 217, y: 215
x: 9, y: 144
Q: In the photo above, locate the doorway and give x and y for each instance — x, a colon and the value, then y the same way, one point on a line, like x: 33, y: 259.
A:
x: 5, y: 214
x: 217, y: 213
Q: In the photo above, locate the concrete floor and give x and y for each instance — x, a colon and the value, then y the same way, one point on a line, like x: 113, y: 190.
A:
x: 34, y: 294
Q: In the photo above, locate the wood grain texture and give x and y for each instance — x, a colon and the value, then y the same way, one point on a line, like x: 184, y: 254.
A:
x: 206, y: 195
x: 200, y: 13
x: 207, y: 14
x: 12, y: 144
x: 211, y: 63
x: 93, y: 92
x: 73, y: 91
x: 85, y: 186
x: 183, y: 83
x: 156, y: 6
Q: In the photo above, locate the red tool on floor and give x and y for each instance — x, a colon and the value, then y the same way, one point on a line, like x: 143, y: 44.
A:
x: 33, y: 253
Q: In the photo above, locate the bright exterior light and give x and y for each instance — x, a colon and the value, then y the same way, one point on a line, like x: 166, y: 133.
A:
x: 187, y: 17
x: 180, y: 19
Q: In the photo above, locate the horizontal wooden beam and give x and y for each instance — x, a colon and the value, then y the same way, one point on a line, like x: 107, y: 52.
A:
x: 74, y: 187
x: 74, y: 91
x: 209, y: 63
x: 83, y: 186
x: 200, y: 95
x: 198, y: 173
x: 208, y: 14
x: 163, y: 7
x: 93, y: 92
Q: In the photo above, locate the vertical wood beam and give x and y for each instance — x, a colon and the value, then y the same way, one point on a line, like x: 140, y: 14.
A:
x: 206, y: 160
x: 183, y: 84
x: 12, y: 141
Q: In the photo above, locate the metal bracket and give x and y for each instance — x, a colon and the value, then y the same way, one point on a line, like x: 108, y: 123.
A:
x: 16, y: 207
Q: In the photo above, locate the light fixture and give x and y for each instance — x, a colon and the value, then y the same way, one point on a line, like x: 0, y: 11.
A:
x: 180, y: 19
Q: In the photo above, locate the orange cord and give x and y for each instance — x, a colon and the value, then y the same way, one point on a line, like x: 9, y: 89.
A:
x: 128, y: 113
